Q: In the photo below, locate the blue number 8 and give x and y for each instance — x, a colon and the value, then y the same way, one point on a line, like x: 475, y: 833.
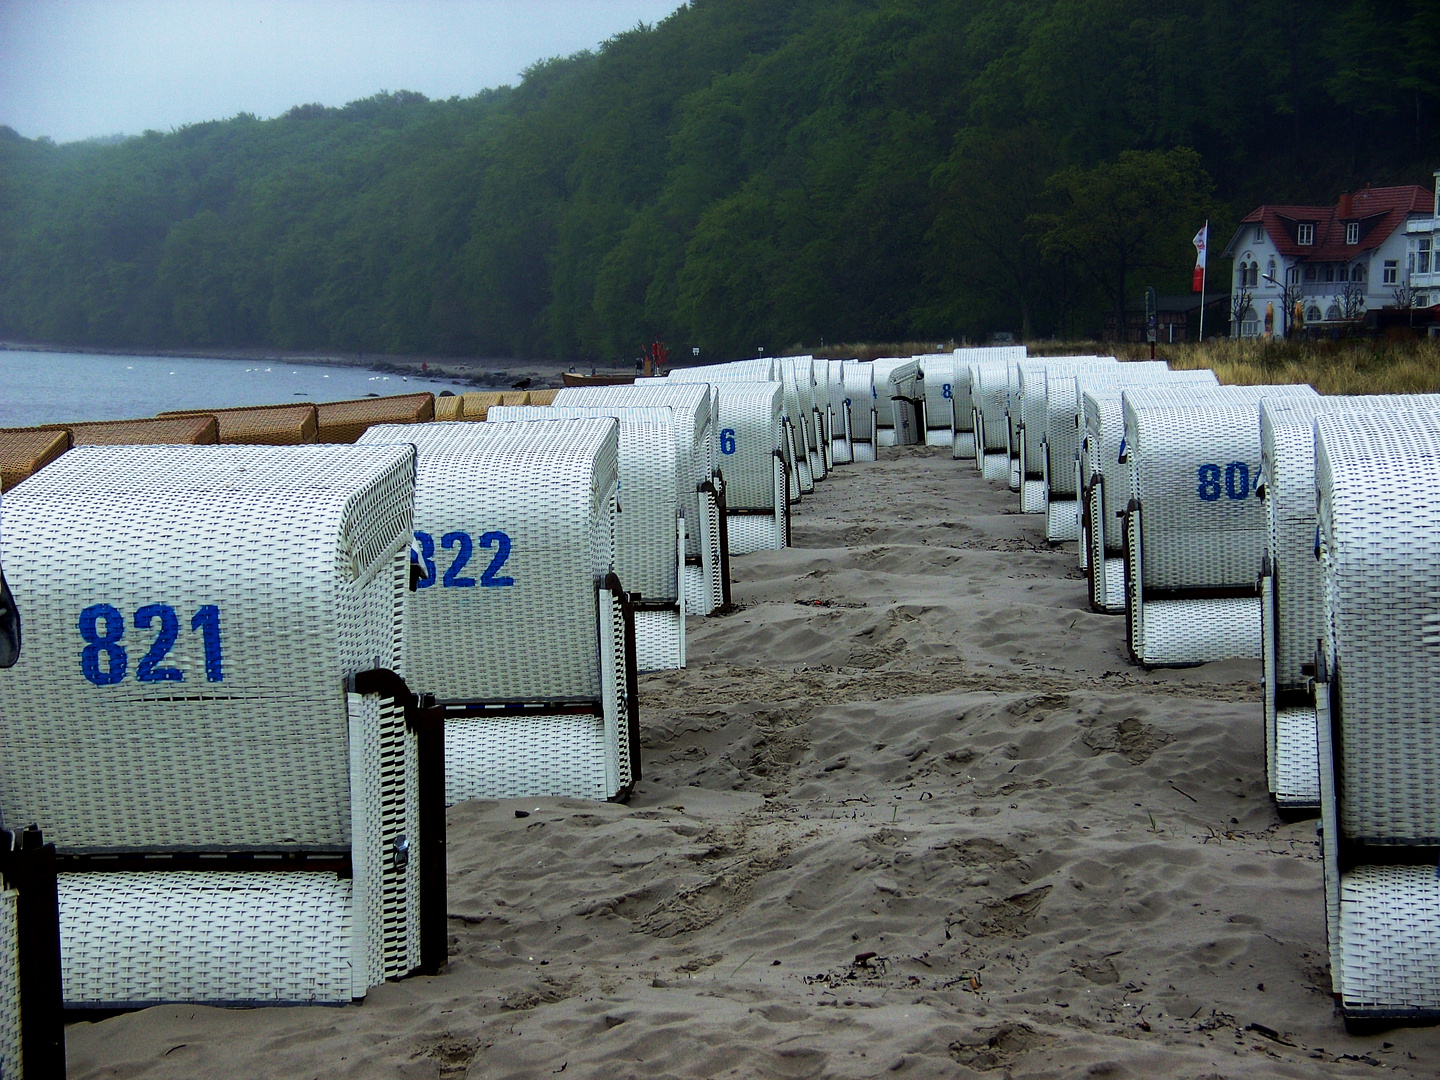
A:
x: 945, y: 391
x: 1209, y: 489
x: 119, y: 661
x: 727, y: 441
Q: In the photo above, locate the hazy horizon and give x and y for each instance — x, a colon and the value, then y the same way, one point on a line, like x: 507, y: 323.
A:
x: 95, y: 70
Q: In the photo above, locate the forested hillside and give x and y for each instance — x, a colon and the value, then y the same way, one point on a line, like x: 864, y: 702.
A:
x: 745, y: 173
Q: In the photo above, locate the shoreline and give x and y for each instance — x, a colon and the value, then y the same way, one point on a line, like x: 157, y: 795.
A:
x: 478, y: 372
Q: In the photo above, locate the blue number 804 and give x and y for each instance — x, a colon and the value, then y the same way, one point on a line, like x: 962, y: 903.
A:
x: 727, y: 440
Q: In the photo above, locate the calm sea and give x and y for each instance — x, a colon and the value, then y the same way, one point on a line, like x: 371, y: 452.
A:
x: 56, y: 388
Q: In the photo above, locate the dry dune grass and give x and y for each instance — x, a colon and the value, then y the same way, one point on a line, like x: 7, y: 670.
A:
x: 1353, y: 366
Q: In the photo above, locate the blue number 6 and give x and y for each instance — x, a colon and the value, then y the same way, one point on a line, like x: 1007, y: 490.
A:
x: 501, y: 543
x: 727, y: 440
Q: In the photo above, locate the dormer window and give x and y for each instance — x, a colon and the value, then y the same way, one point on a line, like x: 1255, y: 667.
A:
x: 1259, y: 233
x: 1305, y: 235
x: 1352, y: 232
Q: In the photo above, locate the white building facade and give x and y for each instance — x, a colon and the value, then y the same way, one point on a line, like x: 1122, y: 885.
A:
x: 1373, y: 249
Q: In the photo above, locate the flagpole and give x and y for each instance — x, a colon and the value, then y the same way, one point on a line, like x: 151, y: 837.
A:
x: 1203, y: 271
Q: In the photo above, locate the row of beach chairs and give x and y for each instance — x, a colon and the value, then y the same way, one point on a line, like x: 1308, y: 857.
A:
x: 240, y: 725
x: 1269, y: 523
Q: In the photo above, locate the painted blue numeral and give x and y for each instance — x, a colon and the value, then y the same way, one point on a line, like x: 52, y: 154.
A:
x: 501, y: 543
x: 426, y: 559
x: 207, y: 621
x: 945, y: 391
x: 1237, y: 480
x: 727, y: 440
x: 1209, y: 477
x: 452, y: 580
x: 118, y: 661
x: 149, y: 669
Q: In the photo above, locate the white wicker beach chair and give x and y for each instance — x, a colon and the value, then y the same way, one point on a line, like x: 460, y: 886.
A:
x: 649, y: 532
x: 899, y: 402
x: 1100, y: 482
x: 518, y: 625
x: 842, y: 450
x: 938, y: 373
x: 1291, y: 582
x: 210, y: 722
x: 963, y: 403
x: 764, y: 369
x: 800, y: 372
x: 1194, y: 530
x: 1031, y: 405
x: 757, y: 506
x: 989, y: 393
x: 1377, y: 476
x: 702, y: 494
x: 862, y: 404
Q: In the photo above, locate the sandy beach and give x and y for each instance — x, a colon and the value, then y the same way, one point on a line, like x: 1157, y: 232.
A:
x: 910, y: 810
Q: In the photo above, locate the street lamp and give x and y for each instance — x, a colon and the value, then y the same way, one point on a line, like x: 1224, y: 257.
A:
x: 1287, y: 300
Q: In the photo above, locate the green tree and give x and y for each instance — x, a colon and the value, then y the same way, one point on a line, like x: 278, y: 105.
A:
x: 1118, y: 219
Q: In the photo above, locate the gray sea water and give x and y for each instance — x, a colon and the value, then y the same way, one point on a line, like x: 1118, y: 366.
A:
x: 57, y: 388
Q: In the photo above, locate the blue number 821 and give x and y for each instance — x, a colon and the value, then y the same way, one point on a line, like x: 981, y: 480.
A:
x: 102, y: 626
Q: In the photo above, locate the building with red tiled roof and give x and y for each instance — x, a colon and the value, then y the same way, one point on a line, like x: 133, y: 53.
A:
x: 1373, y: 249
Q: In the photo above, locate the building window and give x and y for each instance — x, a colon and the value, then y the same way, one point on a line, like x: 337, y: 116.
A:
x: 1352, y: 232
x: 1422, y: 257
x: 1250, y: 324
x: 1292, y: 275
x: 1270, y: 270
x: 1357, y: 272
x: 1313, y: 315
x: 1259, y: 233
x: 1389, y: 272
x: 1309, y: 273
x: 1254, y: 275
x: 1422, y: 299
x: 1333, y: 313
x: 1329, y: 273
x: 1305, y: 234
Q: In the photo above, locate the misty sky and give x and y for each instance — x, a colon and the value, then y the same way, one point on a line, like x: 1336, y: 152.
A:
x: 72, y: 69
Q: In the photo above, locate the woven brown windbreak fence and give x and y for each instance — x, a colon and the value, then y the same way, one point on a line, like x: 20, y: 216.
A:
x: 346, y: 421
x: 25, y: 451
x: 262, y: 425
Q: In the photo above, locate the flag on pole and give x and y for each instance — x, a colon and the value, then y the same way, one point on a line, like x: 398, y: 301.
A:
x: 1202, y: 240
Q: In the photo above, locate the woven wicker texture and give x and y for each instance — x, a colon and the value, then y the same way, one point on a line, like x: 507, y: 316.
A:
x: 1195, y: 466
x: 543, y: 397
x: 515, y: 397
x: 198, y: 430
x: 1389, y: 939
x: 262, y: 425
x: 749, y: 429
x: 758, y: 370
x: 1102, y: 421
x: 897, y: 377
x: 963, y: 400
x: 695, y: 435
x: 10, y: 1063
x: 515, y: 757
x: 859, y: 385
x: 451, y: 407
x: 646, y: 538
x: 281, y: 569
x: 1032, y: 398
x: 1287, y: 463
x: 989, y: 393
x: 346, y: 421
x: 1377, y: 475
x: 478, y: 402
x: 800, y: 372
x: 660, y: 639
x: 25, y: 451
x: 138, y: 939
x: 549, y: 489
x: 938, y: 376
x: 1297, y: 774
x: 1200, y: 631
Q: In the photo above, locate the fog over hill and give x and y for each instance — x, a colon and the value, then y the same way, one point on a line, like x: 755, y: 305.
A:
x: 745, y: 172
